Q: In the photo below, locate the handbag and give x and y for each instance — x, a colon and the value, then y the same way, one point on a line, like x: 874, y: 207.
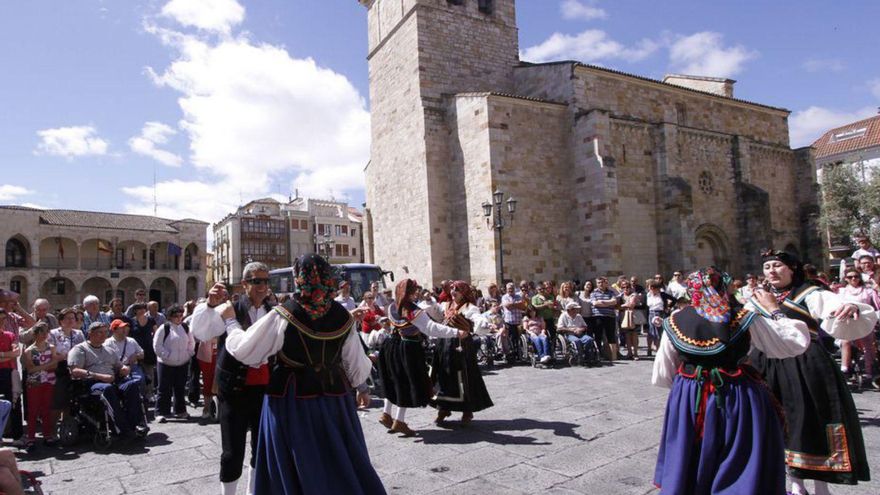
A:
x: 627, y: 322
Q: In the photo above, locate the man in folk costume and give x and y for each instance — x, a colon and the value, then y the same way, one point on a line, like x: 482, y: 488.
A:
x: 722, y: 433
x: 824, y: 440
x: 310, y: 437
x: 455, y: 371
x: 240, y: 388
x: 402, y: 362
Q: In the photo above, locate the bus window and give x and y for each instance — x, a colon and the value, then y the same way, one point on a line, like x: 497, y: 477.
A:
x: 281, y: 282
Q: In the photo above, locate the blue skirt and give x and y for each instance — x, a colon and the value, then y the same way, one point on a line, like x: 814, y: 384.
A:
x: 313, y: 446
x: 741, y: 449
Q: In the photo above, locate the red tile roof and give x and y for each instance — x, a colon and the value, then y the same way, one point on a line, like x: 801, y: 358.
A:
x: 831, y: 143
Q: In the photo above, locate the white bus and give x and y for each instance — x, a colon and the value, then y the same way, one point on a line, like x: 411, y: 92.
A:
x: 359, y: 275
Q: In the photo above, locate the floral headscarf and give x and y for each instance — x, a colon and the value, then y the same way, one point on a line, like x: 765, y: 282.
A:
x: 707, y: 289
x: 315, y: 280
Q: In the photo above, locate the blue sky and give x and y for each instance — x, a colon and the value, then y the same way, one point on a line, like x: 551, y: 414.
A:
x: 227, y: 101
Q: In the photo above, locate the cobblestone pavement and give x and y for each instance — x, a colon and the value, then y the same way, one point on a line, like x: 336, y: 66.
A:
x: 553, y: 431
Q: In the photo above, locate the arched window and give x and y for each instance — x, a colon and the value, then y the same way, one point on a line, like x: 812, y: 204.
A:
x: 16, y: 255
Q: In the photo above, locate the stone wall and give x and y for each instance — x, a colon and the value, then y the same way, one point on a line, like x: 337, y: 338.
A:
x: 657, y: 102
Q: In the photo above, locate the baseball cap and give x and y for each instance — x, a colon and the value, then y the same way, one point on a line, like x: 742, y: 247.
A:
x: 115, y: 324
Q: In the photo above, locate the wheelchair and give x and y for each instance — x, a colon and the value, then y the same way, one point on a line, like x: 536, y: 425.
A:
x: 589, y: 357
x: 487, y: 351
x: 87, y: 415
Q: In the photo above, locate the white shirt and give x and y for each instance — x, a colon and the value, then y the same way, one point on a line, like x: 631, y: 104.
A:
x: 207, y: 322
x: 566, y: 321
x: 676, y: 290
x: 177, y: 348
x: 124, y: 349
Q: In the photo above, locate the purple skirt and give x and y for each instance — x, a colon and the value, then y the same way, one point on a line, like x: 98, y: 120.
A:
x: 741, y: 449
x: 313, y: 446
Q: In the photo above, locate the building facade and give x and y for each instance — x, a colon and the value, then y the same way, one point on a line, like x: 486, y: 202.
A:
x: 856, y: 144
x: 277, y: 233
x: 65, y: 255
x: 613, y: 172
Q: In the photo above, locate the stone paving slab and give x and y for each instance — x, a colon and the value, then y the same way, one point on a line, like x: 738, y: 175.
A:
x: 557, y: 431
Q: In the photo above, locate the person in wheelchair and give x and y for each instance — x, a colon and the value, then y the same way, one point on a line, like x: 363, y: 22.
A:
x: 129, y: 352
x: 572, y: 325
x: 104, y: 374
x: 537, y: 333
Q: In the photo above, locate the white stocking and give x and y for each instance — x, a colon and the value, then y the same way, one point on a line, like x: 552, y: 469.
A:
x: 387, y: 408
x: 401, y: 413
x: 252, y: 481
x: 228, y: 488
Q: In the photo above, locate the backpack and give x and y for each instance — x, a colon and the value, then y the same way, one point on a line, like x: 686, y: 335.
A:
x: 167, y: 327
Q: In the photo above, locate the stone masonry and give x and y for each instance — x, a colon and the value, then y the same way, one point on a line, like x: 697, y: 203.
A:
x: 613, y: 172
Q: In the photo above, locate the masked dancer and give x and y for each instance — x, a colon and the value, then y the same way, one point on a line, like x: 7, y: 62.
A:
x: 310, y: 437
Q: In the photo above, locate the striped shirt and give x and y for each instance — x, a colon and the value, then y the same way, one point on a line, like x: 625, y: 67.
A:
x: 600, y: 295
x: 511, y: 316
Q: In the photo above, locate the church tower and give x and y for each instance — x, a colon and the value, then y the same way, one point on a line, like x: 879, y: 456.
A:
x: 421, y: 52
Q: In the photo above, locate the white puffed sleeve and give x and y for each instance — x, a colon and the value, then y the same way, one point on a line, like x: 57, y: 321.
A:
x: 355, y: 362
x: 206, y: 323
x: 822, y: 303
x: 263, y: 339
x: 433, y: 329
x: 665, y: 364
x: 434, y: 310
x: 481, y: 325
x: 779, y: 339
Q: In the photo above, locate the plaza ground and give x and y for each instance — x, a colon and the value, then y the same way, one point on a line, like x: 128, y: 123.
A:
x: 553, y: 431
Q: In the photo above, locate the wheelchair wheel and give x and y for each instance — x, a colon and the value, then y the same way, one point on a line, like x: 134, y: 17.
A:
x: 102, y: 440
x: 68, y: 431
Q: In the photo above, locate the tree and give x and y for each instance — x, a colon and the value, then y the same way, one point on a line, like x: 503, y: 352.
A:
x: 849, y: 206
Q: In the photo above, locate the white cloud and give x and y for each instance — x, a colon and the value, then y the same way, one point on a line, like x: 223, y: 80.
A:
x: 8, y: 192
x: 255, y: 118
x: 580, y: 10
x: 217, y: 16
x: 71, y: 142
x: 703, y: 54
x: 589, y: 46
x: 153, y: 134
x: 805, y: 126
x: 824, y: 64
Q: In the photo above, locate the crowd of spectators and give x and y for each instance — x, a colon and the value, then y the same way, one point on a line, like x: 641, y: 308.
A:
x: 142, y: 360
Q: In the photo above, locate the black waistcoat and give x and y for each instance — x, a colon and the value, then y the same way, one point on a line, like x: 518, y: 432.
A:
x: 709, y: 344
x: 311, y: 356
x: 230, y: 373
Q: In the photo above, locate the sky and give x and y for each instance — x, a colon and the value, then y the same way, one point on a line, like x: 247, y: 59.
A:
x: 218, y: 102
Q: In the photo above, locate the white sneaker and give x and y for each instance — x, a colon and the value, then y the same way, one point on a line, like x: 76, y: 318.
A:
x: 545, y: 359
x: 161, y: 419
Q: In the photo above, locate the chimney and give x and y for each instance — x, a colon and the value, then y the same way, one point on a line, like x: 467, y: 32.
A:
x: 715, y: 85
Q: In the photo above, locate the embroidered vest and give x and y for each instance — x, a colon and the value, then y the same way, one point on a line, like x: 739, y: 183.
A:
x: 311, y: 357
x: 709, y: 344
x: 403, y: 326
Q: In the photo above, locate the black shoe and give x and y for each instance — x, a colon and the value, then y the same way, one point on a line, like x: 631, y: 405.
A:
x: 142, y: 431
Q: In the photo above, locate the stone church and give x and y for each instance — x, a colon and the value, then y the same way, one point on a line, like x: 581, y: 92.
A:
x: 612, y: 172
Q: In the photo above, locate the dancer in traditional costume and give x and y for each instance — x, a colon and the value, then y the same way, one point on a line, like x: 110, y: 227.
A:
x: 310, y: 437
x: 723, y: 431
x: 824, y: 440
x: 455, y: 372
x: 402, y: 361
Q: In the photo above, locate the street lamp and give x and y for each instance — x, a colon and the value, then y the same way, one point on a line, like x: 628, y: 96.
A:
x: 498, y: 224
x: 326, y: 243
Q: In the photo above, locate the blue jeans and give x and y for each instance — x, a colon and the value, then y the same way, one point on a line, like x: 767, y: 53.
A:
x: 580, y: 343
x: 124, y: 398
x: 542, y: 345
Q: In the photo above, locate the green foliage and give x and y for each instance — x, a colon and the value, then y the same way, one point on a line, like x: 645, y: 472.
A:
x: 849, y: 205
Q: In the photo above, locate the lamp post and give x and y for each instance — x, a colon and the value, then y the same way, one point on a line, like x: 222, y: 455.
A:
x: 326, y: 243
x: 497, y: 224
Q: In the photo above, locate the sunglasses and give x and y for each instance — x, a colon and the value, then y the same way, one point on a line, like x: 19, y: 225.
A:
x: 257, y: 281
x: 852, y: 276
